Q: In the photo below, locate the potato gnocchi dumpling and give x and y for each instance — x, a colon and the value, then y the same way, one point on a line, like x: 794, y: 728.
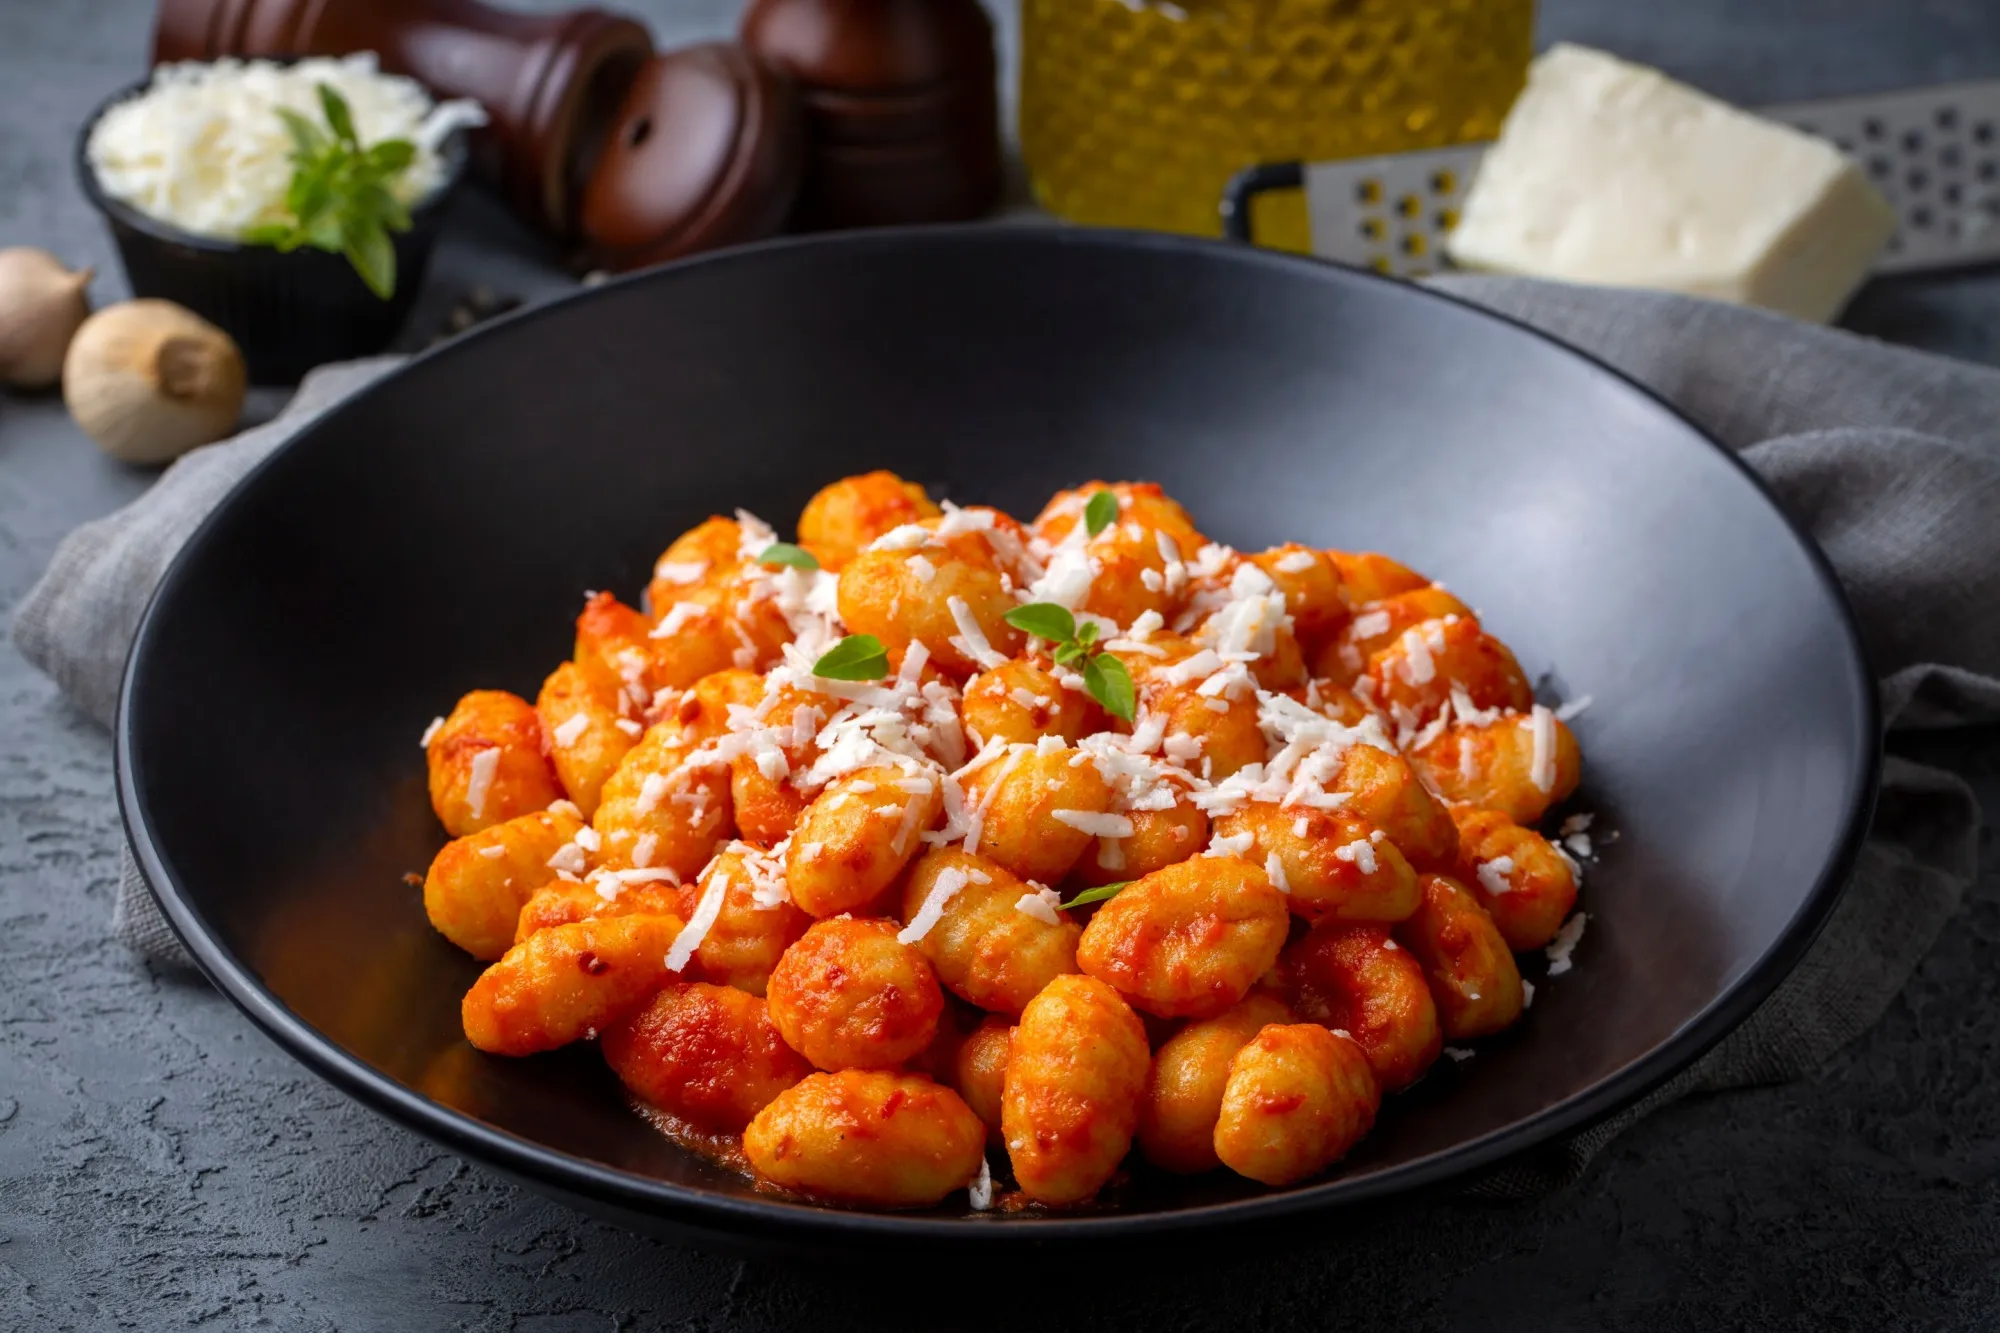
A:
x: 1473, y: 977
x: 1190, y: 940
x: 568, y: 983
x: 1297, y: 1099
x: 1525, y: 883
x: 867, y: 1136
x: 1184, y: 1090
x: 708, y: 1055
x: 478, y: 884
x: 845, y: 517
x: 487, y: 763
x: 854, y: 840
x: 1520, y: 764
x: 1332, y: 863
x: 1039, y: 810
x: 1076, y: 1074
x: 563, y: 903
x: 1022, y: 700
x: 986, y: 950
x: 1356, y: 978
x: 939, y: 854
x: 850, y: 995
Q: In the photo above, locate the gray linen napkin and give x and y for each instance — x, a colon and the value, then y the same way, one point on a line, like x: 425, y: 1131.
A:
x: 1891, y: 458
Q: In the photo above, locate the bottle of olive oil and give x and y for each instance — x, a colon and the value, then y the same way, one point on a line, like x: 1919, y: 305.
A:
x: 1135, y: 113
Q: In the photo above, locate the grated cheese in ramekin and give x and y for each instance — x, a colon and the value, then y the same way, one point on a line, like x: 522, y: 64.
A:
x: 203, y: 148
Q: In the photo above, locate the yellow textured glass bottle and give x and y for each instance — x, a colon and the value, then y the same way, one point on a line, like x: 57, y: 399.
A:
x: 1135, y: 113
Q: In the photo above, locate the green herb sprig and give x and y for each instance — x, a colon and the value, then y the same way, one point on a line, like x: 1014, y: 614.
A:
x: 1096, y: 895
x: 1100, y: 512
x: 1104, y: 676
x: 784, y: 553
x: 339, y: 198
x: 856, y: 657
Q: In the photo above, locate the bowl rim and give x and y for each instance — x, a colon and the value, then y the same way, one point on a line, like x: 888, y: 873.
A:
x: 454, y: 151
x: 774, y: 1220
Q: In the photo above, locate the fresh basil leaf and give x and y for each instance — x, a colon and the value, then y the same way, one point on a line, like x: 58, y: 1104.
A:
x: 1068, y: 654
x: 327, y: 232
x: 384, y: 207
x: 1086, y: 634
x: 856, y: 657
x: 337, y: 115
x: 1111, y: 685
x: 1096, y: 895
x: 308, y: 140
x: 392, y: 157
x: 1044, y: 620
x: 373, y: 257
x: 784, y: 553
x: 1100, y: 513
x: 266, y: 233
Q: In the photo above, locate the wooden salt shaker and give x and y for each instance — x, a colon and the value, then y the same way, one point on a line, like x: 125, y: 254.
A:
x: 550, y: 84
x: 900, y: 102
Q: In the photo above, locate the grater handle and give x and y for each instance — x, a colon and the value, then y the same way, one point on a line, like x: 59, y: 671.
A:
x: 1246, y: 185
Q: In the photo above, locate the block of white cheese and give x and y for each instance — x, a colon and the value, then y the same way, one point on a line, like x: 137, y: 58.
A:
x: 1609, y: 172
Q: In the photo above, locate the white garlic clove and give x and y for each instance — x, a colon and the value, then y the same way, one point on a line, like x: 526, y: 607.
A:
x: 150, y: 380
x: 41, y: 305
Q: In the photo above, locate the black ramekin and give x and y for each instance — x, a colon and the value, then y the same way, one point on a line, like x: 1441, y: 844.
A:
x: 287, y: 312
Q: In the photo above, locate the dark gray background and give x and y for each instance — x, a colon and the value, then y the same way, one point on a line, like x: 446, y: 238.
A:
x: 163, y: 1166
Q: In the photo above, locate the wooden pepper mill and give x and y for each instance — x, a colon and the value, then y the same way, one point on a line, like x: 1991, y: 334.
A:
x: 901, y: 106
x: 550, y: 84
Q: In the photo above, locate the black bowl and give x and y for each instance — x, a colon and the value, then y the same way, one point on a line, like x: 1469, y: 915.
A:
x: 436, y: 532
x: 287, y: 312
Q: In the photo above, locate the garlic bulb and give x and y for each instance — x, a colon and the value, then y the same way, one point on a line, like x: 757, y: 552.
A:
x: 41, y: 304
x: 149, y: 380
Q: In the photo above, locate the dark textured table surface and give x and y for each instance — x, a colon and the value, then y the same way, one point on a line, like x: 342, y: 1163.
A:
x: 162, y: 1165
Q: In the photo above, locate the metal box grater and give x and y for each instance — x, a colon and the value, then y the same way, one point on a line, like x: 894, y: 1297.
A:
x: 1934, y: 152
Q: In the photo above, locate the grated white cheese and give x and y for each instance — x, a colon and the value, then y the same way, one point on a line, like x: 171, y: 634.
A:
x: 1416, y: 667
x: 980, y: 1192
x: 1572, y: 708
x: 1493, y: 875
x: 589, y: 839
x: 1360, y: 853
x: 565, y: 807
x: 572, y: 729
x: 1371, y: 624
x: 629, y: 727
x: 696, y: 930
x: 1295, y: 562
x: 1527, y: 993
x: 1094, y: 823
x: 1459, y: 1054
x: 493, y: 852
x: 1542, y: 766
x: 568, y: 858
x: 1577, y: 824
x: 651, y: 792
x: 676, y: 619
x: 1578, y: 845
x: 907, y: 537
x: 1565, y: 943
x: 203, y: 148
x: 430, y: 732
x: 1231, y: 845
x: 643, y: 849
x: 923, y: 569
x: 971, y: 639
x: 949, y: 881
x: 680, y: 572
x: 1274, y: 870
x: 479, y: 780
x: 1041, y: 904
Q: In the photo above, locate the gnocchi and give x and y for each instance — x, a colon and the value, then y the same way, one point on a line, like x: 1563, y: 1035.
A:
x: 942, y: 854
